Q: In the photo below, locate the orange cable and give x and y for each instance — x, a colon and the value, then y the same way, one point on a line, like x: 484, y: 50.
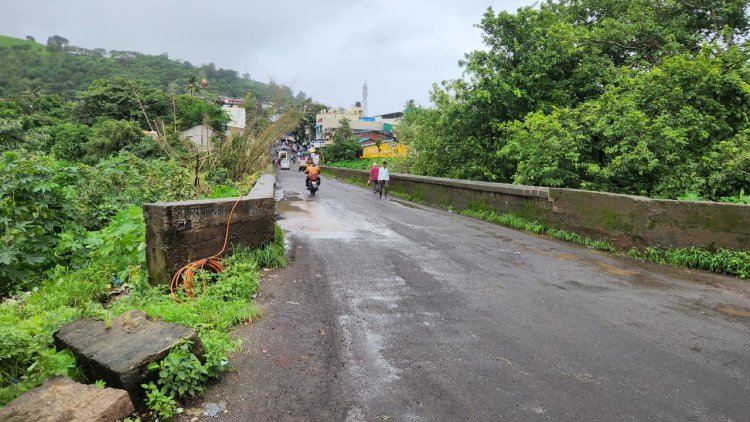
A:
x: 187, y: 272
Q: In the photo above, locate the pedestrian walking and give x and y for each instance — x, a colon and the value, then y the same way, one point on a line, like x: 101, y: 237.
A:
x: 383, y: 178
x: 373, y: 177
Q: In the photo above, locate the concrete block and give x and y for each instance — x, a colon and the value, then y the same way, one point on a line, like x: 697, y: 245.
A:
x: 120, y: 354
x: 64, y: 400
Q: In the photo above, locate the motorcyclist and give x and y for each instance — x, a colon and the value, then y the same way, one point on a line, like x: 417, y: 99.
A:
x: 312, y: 172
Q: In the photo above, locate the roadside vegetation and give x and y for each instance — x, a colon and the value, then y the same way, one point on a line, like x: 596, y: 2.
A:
x: 722, y: 261
x: 637, y: 97
x: 73, y: 178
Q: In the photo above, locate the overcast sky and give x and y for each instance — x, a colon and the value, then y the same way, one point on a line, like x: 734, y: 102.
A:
x: 326, y: 48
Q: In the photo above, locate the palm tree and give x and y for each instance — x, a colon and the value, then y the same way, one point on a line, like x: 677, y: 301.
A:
x: 193, y: 86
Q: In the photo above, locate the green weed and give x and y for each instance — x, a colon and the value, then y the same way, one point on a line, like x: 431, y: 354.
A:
x: 159, y: 401
x: 723, y: 261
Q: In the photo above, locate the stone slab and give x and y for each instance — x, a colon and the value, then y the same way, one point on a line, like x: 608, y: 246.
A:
x: 64, y: 400
x: 120, y: 355
x: 180, y: 232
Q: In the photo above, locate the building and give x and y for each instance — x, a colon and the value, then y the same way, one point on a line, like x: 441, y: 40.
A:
x: 230, y: 101
x: 327, y: 122
x: 200, y: 136
x: 237, y: 119
x: 375, y: 148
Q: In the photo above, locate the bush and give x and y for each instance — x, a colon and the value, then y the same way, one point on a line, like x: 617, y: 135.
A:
x: 37, y: 200
x: 117, y: 182
x: 109, y: 137
x: 347, y: 149
x: 68, y: 140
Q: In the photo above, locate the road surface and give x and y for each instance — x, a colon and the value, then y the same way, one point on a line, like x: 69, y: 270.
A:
x: 395, y: 311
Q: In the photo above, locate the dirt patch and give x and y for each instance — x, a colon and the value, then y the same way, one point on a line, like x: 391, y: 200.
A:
x: 731, y: 310
x: 616, y: 270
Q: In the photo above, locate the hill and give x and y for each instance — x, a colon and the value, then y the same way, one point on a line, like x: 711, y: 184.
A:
x: 60, y: 68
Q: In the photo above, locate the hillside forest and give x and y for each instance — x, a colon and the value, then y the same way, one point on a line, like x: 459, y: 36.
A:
x: 638, y: 97
x: 61, y: 68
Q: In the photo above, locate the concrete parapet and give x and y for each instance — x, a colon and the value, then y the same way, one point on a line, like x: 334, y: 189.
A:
x: 624, y: 220
x: 180, y: 232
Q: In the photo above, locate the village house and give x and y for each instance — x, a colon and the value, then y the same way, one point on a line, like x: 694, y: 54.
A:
x: 200, y: 136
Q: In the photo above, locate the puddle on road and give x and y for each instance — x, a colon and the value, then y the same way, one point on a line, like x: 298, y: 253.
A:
x: 732, y: 310
x: 284, y: 207
x: 309, y: 216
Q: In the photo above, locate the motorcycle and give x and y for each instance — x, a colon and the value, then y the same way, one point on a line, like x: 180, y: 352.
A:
x: 313, y: 185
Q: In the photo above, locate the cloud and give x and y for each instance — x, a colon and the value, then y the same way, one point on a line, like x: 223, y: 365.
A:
x: 326, y: 48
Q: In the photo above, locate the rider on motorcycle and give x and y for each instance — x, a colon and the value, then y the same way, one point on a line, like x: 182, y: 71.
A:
x: 313, y: 173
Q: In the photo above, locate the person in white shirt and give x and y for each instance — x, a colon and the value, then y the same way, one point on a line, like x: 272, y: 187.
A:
x: 383, y: 178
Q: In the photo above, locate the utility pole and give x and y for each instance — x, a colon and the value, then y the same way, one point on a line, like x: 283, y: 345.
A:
x: 364, y: 98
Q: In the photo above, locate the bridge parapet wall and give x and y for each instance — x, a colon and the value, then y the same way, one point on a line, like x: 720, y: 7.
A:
x: 624, y: 220
x: 180, y: 232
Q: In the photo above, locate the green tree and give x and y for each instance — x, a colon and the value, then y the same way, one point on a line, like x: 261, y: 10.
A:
x: 345, y: 145
x: 121, y: 99
x: 307, y: 124
x: 193, y: 111
x: 69, y: 139
x: 109, y: 137
x: 640, y: 96
x: 193, y: 85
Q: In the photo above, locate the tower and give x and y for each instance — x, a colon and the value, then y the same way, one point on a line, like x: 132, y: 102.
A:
x: 364, y: 98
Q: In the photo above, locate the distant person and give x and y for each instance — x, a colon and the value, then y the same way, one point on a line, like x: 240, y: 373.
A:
x: 373, y: 177
x: 383, y: 178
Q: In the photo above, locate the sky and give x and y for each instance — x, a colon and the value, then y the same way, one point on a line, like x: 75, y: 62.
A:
x: 326, y: 48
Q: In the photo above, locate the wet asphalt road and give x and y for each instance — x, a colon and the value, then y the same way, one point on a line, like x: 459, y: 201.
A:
x: 431, y: 316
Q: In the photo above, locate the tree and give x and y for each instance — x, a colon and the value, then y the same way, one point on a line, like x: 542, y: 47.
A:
x: 643, y: 97
x: 193, y: 86
x: 121, y: 99
x: 109, y: 137
x: 57, y: 43
x: 345, y: 145
x: 193, y: 111
x: 68, y: 140
x: 344, y: 131
x: 30, y: 38
x: 307, y: 123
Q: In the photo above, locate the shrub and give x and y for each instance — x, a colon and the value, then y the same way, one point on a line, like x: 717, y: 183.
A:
x: 36, y: 203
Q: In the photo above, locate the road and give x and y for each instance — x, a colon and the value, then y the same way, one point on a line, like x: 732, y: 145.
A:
x: 396, y: 311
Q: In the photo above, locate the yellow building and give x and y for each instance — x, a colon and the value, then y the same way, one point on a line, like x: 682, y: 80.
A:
x: 388, y: 148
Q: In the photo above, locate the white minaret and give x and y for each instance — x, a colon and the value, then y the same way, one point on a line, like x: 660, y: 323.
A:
x: 364, y: 98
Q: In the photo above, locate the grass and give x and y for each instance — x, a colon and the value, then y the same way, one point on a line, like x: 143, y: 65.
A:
x: 27, y: 353
x: 516, y: 222
x: 720, y: 261
x: 6, y: 41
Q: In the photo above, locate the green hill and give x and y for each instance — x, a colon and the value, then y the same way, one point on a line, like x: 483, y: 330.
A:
x: 60, y: 68
x: 6, y: 41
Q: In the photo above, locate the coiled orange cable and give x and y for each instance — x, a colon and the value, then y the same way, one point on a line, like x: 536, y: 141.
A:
x: 186, y: 274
